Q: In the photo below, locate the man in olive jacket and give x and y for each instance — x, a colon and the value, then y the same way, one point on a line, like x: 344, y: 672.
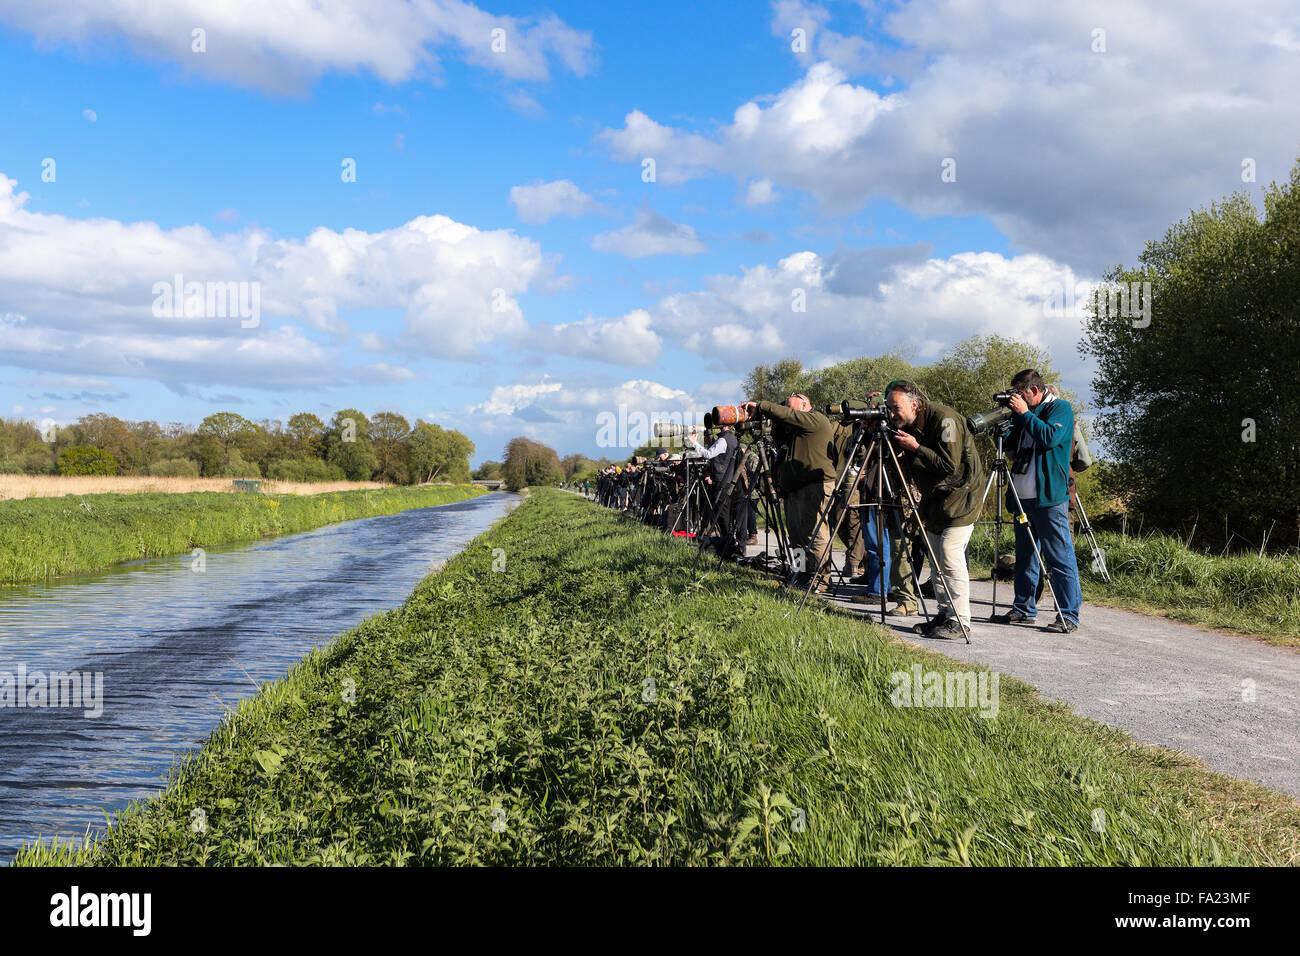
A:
x: 939, y: 451
x: 806, y: 476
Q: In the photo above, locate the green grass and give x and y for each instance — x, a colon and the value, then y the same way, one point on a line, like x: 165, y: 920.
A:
x: 42, y: 538
x: 506, y: 718
x: 1156, y: 574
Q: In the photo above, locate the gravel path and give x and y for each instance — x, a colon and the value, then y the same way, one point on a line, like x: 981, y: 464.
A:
x: 1232, y: 701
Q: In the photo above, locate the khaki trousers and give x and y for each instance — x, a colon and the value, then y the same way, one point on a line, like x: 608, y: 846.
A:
x: 949, y: 546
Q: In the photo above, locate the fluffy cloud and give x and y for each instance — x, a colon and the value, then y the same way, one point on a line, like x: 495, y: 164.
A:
x: 283, y: 46
x: 80, y: 295
x: 651, y: 235
x: 628, y: 340
x: 760, y: 193
x: 1079, y: 154
x: 868, y: 302
x: 543, y: 201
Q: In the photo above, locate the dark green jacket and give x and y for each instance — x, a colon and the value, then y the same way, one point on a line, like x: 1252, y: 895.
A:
x: 947, y: 469
x: 812, y: 440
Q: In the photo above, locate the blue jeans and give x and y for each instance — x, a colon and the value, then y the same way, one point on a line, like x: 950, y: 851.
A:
x: 875, y: 553
x: 1052, y: 529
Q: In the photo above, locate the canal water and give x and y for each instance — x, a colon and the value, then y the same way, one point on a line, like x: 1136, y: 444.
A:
x: 176, y: 643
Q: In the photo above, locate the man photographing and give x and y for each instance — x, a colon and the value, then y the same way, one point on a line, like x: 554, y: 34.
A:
x: 806, y: 476
x: 939, y: 449
x: 722, y: 457
x: 1042, y: 430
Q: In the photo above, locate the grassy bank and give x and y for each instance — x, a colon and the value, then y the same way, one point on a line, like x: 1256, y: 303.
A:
x: 598, y: 702
x: 1156, y: 574
x: 45, y: 537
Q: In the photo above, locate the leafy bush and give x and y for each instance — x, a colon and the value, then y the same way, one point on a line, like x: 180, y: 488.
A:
x: 86, y: 460
x: 236, y: 467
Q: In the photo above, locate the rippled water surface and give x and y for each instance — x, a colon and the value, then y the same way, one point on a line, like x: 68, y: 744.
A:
x: 176, y: 648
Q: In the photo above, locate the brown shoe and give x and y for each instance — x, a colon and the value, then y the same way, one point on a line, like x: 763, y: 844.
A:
x: 753, y: 539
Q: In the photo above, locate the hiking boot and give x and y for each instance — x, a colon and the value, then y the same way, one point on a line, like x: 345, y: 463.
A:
x: 947, y: 630
x: 902, y: 609
x: 925, y: 627
x: 1012, y: 617
x: 1061, y: 626
x: 753, y: 539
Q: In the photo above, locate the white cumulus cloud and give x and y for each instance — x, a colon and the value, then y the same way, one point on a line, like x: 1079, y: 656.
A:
x: 283, y: 45
x: 540, y: 202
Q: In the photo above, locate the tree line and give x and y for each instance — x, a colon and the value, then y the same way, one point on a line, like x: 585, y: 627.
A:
x: 351, y: 446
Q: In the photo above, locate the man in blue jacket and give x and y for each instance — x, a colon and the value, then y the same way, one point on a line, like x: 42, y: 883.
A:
x: 1042, y: 430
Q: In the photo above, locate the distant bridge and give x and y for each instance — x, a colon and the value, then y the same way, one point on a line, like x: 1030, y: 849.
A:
x: 493, y: 483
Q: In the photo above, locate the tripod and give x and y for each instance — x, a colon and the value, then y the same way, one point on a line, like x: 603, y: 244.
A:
x: 770, y: 503
x: 878, y: 447
x: 1000, y: 474
x: 694, y: 487
x: 723, y: 501
x: 1098, y: 555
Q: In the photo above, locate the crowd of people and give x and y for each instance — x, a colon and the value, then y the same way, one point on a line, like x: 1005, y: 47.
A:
x: 899, y: 483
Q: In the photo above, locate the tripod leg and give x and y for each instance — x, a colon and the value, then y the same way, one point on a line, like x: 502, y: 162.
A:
x: 825, y: 512
x: 1023, y: 519
x: 1098, y: 556
x: 935, y: 564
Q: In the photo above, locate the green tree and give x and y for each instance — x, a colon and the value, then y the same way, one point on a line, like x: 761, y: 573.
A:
x: 854, y: 379
x: 306, y: 435
x: 227, y: 429
x: 970, y: 373
x: 439, y: 454
x: 347, y: 444
x: 388, y: 436
x: 773, y: 383
x: 529, y: 462
x: 488, y: 471
x: 111, y: 434
x: 1200, y: 402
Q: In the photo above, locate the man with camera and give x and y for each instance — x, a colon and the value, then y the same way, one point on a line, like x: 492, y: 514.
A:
x: 722, y: 459
x: 806, y: 476
x: 1042, y: 432
x: 939, y: 451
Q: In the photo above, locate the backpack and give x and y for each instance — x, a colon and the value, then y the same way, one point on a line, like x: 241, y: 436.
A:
x: 1080, y: 458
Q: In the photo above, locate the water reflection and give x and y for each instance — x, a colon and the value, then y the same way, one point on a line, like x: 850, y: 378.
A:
x: 178, y: 647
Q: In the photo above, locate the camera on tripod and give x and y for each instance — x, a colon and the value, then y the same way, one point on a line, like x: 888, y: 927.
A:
x: 849, y: 411
x: 983, y: 422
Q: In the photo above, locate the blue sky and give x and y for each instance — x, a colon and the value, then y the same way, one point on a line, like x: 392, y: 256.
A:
x: 516, y: 177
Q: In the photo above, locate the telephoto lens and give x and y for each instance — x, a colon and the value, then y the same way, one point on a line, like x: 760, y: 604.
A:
x: 668, y: 430
x: 729, y: 414
x: 983, y: 422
